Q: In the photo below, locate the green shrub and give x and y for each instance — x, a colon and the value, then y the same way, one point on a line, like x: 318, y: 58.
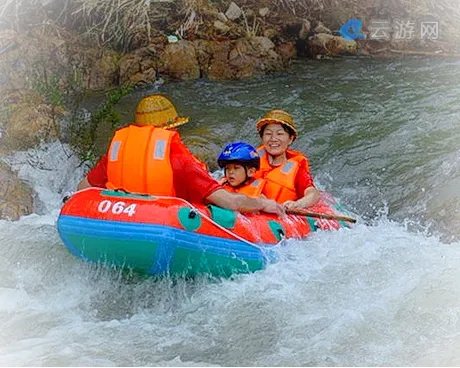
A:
x: 83, y: 130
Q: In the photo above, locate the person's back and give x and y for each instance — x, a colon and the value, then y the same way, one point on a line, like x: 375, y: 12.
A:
x: 131, y: 169
x: 139, y: 155
x: 148, y: 158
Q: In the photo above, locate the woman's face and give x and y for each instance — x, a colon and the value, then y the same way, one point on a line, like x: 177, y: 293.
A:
x: 275, y: 139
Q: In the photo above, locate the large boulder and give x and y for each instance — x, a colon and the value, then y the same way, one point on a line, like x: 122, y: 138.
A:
x: 101, y: 68
x: 97, y: 68
x: 254, y: 56
x: 25, y: 59
x: 16, y: 198
x: 179, y: 61
x: 329, y: 45
x: 286, y: 51
x: 35, y: 59
x: 139, y: 67
x: 213, y: 59
x: 29, y: 124
x: 243, y: 58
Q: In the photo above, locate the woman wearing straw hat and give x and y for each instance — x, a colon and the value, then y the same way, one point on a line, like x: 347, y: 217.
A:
x: 147, y: 157
x: 286, y: 172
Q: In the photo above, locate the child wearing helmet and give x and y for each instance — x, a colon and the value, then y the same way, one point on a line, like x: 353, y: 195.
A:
x: 240, y: 162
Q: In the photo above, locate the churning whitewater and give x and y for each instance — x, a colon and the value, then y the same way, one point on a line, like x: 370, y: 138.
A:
x: 383, y: 293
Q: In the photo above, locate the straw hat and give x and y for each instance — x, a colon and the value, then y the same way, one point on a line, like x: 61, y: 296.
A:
x: 277, y: 116
x: 158, y: 110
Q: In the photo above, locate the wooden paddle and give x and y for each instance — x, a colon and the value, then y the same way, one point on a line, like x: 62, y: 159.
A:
x: 301, y: 211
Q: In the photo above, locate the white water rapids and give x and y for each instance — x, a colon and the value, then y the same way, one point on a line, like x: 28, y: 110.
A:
x: 374, y: 295
x: 381, y: 136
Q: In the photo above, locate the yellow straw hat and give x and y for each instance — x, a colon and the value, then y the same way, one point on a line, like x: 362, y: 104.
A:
x: 277, y: 116
x: 158, y: 110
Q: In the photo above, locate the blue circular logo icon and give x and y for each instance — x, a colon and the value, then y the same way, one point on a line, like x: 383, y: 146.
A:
x: 351, y: 30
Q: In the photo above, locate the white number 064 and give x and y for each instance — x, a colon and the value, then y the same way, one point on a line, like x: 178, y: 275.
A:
x: 117, y: 207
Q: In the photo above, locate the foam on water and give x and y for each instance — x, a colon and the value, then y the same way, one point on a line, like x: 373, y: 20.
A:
x: 374, y: 295
x: 378, y: 294
x: 51, y: 169
x: 384, y: 293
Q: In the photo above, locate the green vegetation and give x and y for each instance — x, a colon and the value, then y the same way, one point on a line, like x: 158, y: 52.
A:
x: 113, y: 22
x: 69, y: 95
x: 49, y: 89
x: 83, y: 130
x: 51, y: 93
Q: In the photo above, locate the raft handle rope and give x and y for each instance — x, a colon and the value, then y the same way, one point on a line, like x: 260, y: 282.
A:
x: 282, y: 237
x: 197, y: 211
x: 194, y: 211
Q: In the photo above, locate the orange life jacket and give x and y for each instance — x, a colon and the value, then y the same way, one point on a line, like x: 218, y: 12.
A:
x: 138, y: 160
x: 280, y: 180
x: 252, y: 189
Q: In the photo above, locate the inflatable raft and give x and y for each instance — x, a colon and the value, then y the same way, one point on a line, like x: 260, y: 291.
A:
x: 169, y: 236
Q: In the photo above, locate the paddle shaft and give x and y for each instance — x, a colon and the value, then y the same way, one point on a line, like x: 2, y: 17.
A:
x: 300, y: 211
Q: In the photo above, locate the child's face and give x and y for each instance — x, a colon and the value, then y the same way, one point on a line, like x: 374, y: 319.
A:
x: 236, y: 174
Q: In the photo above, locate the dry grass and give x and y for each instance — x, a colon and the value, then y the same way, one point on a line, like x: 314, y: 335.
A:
x: 190, y: 22
x: 447, y: 12
x: 316, y: 9
x: 18, y: 13
x: 118, y: 22
x: 107, y: 21
x: 251, y: 31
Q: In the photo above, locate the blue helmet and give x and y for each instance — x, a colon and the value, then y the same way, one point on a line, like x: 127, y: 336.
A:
x: 241, y: 153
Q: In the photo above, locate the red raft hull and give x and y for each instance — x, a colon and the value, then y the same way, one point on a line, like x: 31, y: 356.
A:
x: 167, y: 235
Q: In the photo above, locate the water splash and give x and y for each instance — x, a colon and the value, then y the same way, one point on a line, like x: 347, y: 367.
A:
x: 384, y: 293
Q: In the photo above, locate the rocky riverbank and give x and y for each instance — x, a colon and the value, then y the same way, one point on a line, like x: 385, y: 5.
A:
x: 53, y: 52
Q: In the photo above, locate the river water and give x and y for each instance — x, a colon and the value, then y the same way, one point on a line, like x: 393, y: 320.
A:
x: 382, y: 137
